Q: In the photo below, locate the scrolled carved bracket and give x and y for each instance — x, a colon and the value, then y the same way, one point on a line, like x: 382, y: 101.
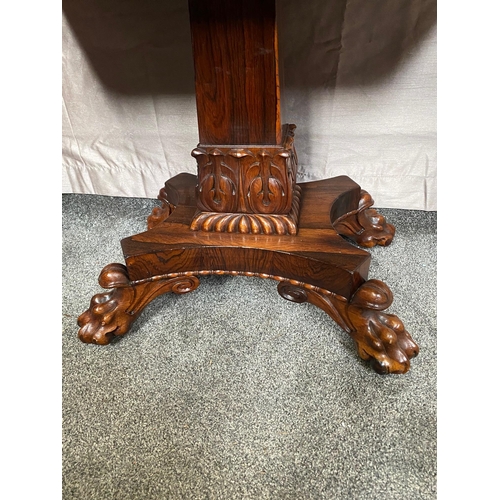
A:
x: 161, y: 213
x: 365, y: 225
x: 111, y: 313
x: 381, y: 338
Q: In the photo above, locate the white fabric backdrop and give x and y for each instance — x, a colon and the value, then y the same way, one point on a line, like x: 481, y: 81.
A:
x: 362, y: 94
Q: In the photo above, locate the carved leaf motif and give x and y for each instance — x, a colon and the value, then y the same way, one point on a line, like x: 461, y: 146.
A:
x: 251, y: 179
x: 266, y: 190
x: 217, y: 181
x: 221, y: 195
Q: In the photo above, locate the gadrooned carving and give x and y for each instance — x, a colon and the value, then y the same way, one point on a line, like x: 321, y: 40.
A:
x: 250, y: 223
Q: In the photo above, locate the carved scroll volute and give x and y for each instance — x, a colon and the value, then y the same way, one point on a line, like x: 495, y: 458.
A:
x: 217, y: 181
x: 290, y: 154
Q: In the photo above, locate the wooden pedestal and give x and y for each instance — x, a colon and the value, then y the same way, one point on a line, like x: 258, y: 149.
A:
x: 244, y: 213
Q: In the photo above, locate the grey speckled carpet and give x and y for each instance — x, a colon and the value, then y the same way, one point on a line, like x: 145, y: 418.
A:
x: 231, y: 392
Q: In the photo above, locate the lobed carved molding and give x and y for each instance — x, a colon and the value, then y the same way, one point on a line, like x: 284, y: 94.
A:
x: 245, y: 223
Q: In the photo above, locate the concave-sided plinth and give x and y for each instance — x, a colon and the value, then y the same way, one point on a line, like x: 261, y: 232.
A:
x: 316, y: 265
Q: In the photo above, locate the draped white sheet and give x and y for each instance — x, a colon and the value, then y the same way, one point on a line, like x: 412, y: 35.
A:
x: 362, y: 94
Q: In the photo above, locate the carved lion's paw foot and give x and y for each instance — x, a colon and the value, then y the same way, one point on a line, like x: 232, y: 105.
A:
x: 104, y: 319
x: 365, y: 225
x: 377, y: 231
x: 107, y: 315
x: 390, y: 347
x: 381, y: 338
x: 112, y: 313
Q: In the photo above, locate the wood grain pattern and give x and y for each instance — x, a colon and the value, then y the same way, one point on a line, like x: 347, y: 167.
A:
x: 315, y: 252
x: 236, y: 71
x: 315, y: 265
x: 254, y: 220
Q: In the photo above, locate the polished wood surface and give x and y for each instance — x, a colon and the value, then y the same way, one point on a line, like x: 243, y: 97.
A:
x: 316, y: 254
x: 246, y: 159
x: 244, y: 213
x: 236, y: 71
x: 247, y: 179
x: 317, y: 265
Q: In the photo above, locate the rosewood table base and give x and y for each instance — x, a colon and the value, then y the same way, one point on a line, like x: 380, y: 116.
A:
x: 315, y: 265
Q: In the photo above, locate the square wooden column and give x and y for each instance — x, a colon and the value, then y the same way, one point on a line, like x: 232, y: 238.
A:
x: 246, y: 159
x: 235, y: 54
